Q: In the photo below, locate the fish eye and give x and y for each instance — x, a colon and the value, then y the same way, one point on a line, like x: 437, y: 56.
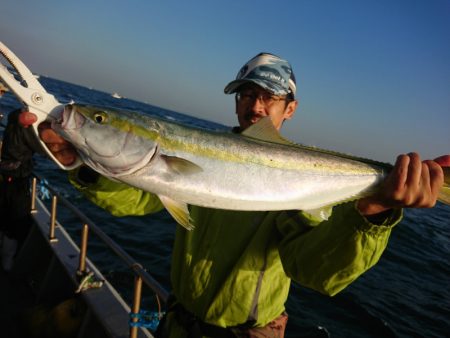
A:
x: 100, y: 117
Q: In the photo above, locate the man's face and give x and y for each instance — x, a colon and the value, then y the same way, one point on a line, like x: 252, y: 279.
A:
x: 254, y: 103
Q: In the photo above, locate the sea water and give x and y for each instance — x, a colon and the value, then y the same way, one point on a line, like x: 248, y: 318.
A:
x: 406, y: 294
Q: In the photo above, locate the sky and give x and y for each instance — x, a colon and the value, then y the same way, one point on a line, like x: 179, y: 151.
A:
x: 373, y: 76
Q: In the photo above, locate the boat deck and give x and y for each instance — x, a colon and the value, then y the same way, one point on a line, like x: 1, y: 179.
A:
x: 38, y: 298
x: 16, y: 298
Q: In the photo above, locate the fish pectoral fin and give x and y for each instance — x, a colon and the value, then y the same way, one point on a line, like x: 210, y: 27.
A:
x: 264, y: 130
x: 180, y: 165
x: 179, y: 211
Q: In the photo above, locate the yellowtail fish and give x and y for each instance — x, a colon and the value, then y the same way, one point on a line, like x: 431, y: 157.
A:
x: 255, y: 170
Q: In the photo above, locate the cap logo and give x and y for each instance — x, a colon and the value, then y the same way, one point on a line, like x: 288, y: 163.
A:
x: 272, y: 76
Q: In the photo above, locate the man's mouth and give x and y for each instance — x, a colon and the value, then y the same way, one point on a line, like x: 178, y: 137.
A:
x: 252, y: 117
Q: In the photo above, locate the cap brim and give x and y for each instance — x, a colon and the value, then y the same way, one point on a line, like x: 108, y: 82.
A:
x: 234, y: 85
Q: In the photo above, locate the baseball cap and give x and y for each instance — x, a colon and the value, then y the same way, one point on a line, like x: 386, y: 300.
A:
x: 267, y: 71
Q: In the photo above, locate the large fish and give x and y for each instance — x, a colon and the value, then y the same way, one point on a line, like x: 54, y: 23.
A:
x: 255, y: 170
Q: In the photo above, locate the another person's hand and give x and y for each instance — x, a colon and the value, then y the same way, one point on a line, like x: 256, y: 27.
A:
x: 412, y: 183
x: 63, y: 151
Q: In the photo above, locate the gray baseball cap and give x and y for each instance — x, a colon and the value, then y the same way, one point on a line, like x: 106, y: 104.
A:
x: 267, y: 71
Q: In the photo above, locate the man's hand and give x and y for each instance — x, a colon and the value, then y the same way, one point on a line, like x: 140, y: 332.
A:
x: 63, y: 151
x: 412, y: 183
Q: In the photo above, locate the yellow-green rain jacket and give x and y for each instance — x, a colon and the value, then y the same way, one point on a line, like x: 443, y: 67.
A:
x: 236, y: 267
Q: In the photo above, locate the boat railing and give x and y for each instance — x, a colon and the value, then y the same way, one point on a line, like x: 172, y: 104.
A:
x: 141, y: 276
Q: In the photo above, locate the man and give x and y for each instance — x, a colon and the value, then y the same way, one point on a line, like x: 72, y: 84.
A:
x: 231, y: 274
x: 18, y: 146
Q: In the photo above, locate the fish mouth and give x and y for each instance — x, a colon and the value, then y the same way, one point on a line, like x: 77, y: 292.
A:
x: 71, y: 119
x: 68, y: 120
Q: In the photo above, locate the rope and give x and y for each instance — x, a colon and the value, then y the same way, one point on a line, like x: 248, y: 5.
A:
x: 147, y: 319
x: 88, y: 281
x: 41, y: 190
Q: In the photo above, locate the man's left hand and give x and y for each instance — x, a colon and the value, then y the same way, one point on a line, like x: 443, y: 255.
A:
x: 412, y: 183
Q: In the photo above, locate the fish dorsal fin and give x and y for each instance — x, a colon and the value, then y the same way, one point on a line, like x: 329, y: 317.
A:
x: 264, y: 130
x: 181, y: 165
x: 178, y: 210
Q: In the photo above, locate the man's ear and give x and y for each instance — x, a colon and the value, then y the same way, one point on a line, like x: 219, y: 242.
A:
x: 290, y: 109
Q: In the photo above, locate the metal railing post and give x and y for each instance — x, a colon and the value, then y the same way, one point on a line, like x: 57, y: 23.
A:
x: 136, y: 305
x: 33, y: 196
x: 83, y: 249
x: 51, y: 235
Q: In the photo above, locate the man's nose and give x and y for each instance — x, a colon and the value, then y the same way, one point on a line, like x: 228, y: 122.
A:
x: 258, y: 103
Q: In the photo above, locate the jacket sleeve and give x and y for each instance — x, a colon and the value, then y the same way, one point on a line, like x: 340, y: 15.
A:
x: 329, y: 255
x: 118, y: 198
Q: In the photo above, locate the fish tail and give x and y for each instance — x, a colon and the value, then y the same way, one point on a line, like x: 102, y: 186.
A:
x: 444, y: 193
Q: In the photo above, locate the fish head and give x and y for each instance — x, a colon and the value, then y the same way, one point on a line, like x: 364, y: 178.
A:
x: 109, y: 141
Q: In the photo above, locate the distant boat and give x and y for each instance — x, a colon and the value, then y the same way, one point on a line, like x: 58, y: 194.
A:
x: 116, y: 95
